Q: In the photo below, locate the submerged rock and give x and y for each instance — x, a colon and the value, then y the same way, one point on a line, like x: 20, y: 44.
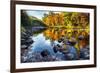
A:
x: 45, y: 53
x: 55, y: 49
x: 84, y: 53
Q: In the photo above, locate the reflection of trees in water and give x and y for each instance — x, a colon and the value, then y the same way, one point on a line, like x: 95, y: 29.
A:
x: 57, y: 33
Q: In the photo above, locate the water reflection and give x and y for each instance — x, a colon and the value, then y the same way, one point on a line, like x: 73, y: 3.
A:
x: 41, y: 43
x: 57, y: 44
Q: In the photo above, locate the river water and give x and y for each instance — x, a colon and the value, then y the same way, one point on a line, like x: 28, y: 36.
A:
x: 49, y: 38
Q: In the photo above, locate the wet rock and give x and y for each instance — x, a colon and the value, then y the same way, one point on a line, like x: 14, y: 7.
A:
x: 26, y: 42
x: 59, y: 46
x: 45, y: 53
x: 84, y: 53
x: 48, y: 58
x: 55, y: 49
x: 59, y: 56
x: 59, y: 40
x: 24, y: 35
x: 29, y: 41
x: 24, y: 46
x: 69, y: 56
x: 64, y: 51
x: 35, y: 57
x: 81, y: 37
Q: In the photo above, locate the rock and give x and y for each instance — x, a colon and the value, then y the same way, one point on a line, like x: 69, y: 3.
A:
x: 58, y: 45
x: 81, y: 37
x: 28, y: 32
x: 84, y: 53
x: 71, y: 53
x: 24, y: 35
x: 64, y: 51
x: 27, y: 42
x: 23, y: 46
x: 59, y: 40
x: 48, y: 58
x: 45, y: 53
x: 70, y: 56
x: 55, y: 49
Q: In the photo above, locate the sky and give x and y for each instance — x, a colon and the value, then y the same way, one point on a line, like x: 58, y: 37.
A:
x: 36, y: 13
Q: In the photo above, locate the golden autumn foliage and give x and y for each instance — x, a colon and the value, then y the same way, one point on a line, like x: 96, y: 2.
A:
x: 66, y: 19
x: 54, y: 19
